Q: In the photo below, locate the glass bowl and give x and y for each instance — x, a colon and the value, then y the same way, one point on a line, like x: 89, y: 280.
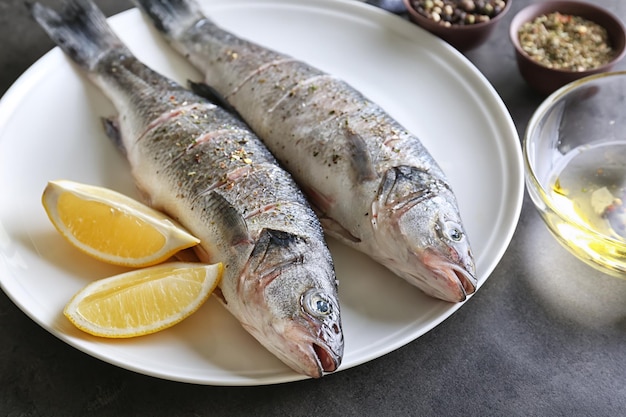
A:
x: 575, y: 161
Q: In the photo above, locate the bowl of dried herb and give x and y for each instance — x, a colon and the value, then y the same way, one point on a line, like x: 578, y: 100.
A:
x: 464, y: 24
x: 557, y: 42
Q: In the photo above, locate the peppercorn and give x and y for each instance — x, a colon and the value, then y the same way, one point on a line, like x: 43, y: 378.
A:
x: 455, y: 12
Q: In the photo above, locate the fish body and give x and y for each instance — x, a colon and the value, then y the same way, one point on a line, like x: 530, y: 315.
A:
x: 205, y: 168
x: 373, y: 184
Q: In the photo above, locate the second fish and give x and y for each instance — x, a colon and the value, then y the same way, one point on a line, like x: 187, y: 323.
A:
x: 374, y: 185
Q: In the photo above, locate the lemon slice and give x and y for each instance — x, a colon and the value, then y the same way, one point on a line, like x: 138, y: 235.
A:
x: 143, y: 301
x: 111, y: 226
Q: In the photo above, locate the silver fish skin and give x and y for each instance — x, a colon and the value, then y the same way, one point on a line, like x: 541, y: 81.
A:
x: 205, y: 168
x: 373, y: 184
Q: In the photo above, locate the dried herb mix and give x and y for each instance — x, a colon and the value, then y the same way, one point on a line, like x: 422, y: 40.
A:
x: 566, y: 42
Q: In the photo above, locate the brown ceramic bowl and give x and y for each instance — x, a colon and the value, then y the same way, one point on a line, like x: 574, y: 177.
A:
x: 546, y: 80
x: 462, y: 37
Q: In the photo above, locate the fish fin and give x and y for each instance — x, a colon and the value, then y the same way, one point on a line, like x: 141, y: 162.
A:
x: 333, y: 228
x: 319, y: 201
x: 171, y: 16
x: 322, y: 204
x: 361, y: 159
x: 234, y: 223
x: 220, y: 295
x: 80, y: 29
x: 211, y: 94
x: 112, y: 130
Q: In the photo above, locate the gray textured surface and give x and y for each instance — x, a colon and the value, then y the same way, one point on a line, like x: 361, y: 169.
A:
x: 546, y: 335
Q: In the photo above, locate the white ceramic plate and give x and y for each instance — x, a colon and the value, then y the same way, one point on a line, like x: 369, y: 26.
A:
x: 50, y: 129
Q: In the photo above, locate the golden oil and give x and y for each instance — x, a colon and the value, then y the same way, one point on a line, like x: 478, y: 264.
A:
x: 588, y: 190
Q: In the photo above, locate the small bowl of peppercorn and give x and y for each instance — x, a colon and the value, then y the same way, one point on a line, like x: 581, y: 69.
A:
x: 557, y: 42
x: 464, y: 24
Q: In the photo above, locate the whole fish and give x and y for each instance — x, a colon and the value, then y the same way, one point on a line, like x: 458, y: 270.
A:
x: 373, y: 184
x: 205, y: 168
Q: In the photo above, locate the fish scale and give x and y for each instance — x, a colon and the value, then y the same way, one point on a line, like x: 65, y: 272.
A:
x: 208, y: 170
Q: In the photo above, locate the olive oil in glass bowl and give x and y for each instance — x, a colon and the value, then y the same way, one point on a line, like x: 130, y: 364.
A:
x: 575, y: 156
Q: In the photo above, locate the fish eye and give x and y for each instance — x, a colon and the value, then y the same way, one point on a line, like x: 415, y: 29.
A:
x: 455, y: 234
x: 317, y: 303
x: 453, y: 231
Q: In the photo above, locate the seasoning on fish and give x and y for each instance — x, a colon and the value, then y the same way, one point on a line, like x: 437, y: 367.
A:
x: 373, y: 184
x: 205, y: 168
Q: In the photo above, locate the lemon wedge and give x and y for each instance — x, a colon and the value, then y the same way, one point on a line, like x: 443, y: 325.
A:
x: 112, y: 227
x: 143, y: 301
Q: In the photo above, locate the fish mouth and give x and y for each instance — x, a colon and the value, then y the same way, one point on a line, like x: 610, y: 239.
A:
x: 467, y: 280
x: 308, y: 352
x: 327, y: 360
x: 313, y: 359
x: 451, y: 282
x: 304, y: 354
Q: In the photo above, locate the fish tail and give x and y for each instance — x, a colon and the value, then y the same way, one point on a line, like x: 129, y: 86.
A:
x: 171, y: 16
x: 79, y: 29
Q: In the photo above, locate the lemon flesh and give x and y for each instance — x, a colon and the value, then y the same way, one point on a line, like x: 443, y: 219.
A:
x: 143, y: 301
x: 111, y: 226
